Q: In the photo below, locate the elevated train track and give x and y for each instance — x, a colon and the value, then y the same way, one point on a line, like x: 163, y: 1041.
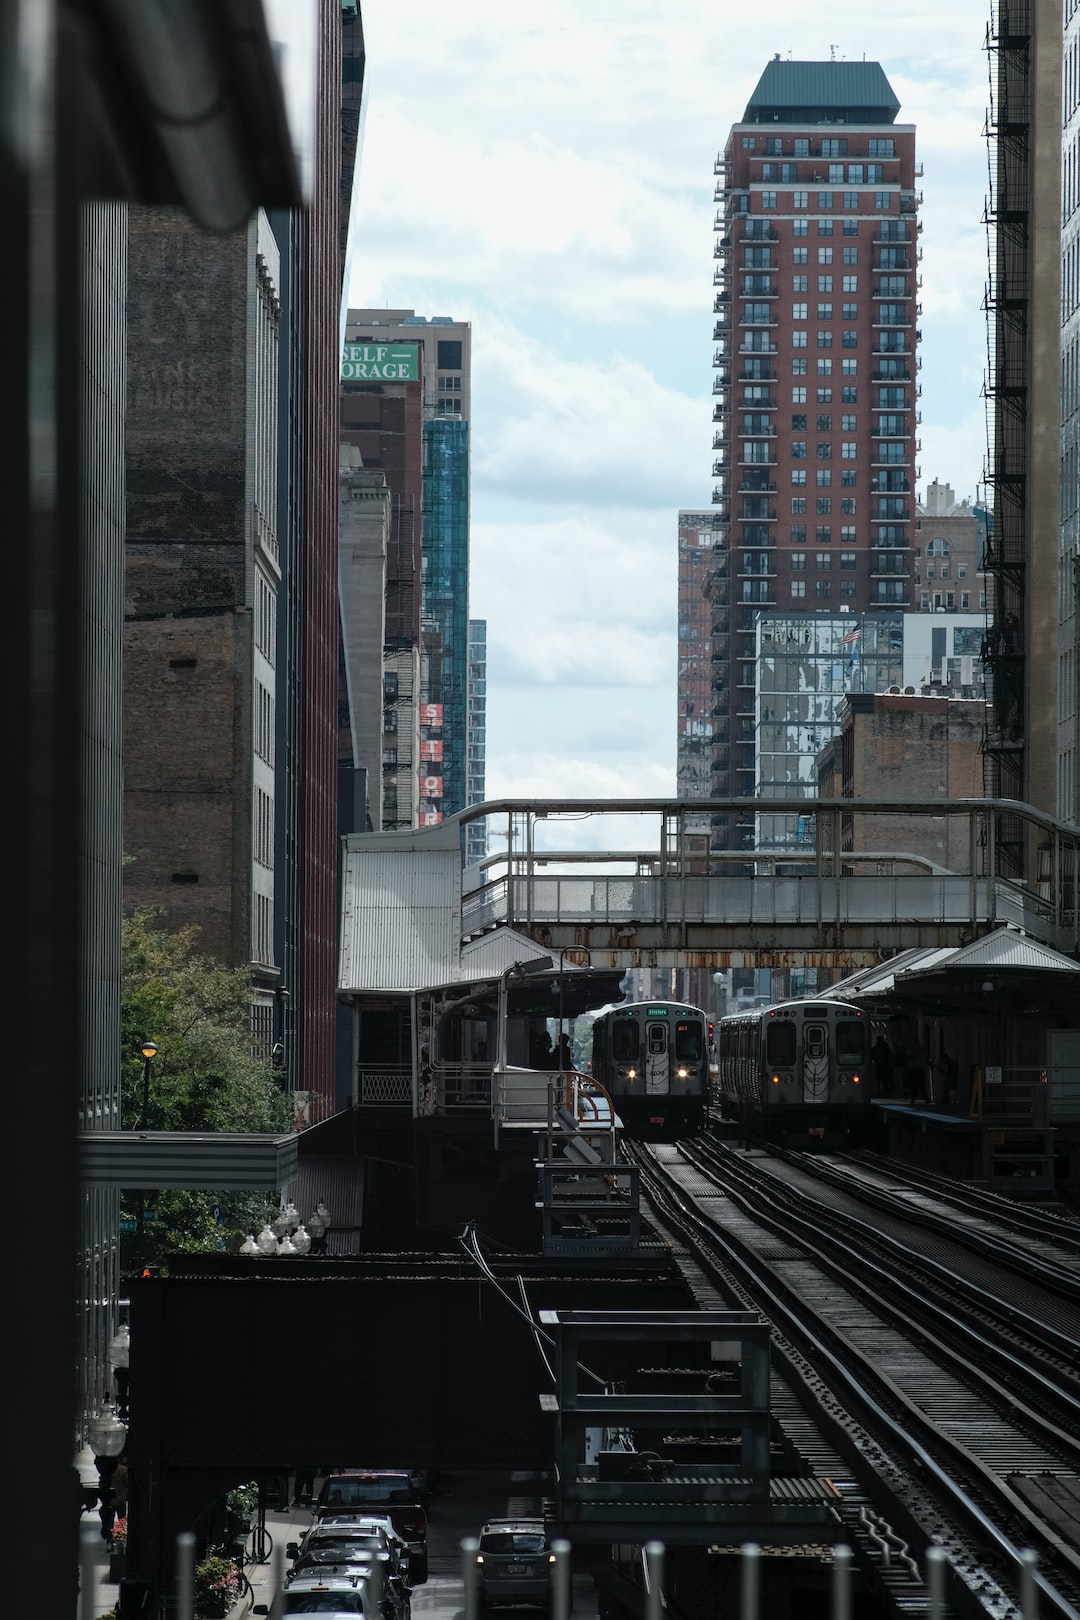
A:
x: 953, y: 1398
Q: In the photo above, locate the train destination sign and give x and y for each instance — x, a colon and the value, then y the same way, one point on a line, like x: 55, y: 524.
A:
x: 380, y: 362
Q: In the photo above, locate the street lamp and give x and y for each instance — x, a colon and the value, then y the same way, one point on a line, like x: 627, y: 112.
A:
x: 120, y: 1362
x: 149, y: 1052
x: 108, y: 1437
x: 317, y: 1224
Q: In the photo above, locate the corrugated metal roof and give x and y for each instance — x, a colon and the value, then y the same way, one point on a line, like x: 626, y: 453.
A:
x: 1007, y: 948
x: 401, y: 913
x: 813, y: 89
x: 233, y: 1161
x: 878, y: 980
x: 493, y: 953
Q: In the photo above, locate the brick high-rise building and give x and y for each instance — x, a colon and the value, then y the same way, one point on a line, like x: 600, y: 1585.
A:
x: 816, y: 374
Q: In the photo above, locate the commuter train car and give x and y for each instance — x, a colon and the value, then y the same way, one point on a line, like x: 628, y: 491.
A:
x: 800, y: 1069
x: 652, y: 1058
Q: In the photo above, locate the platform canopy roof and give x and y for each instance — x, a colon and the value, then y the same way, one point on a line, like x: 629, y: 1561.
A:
x: 1005, y: 964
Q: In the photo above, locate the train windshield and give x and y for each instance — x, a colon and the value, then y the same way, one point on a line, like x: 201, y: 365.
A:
x: 688, y: 1041
x: 779, y: 1045
x: 850, y: 1041
x: 624, y: 1041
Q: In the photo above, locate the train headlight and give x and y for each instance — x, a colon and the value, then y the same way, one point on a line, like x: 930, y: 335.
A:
x: 854, y: 1079
x: 682, y: 1073
x: 776, y: 1079
x: 631, y: 1074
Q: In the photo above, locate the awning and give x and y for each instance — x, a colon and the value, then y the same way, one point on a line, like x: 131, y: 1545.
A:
x: 217, y: 1161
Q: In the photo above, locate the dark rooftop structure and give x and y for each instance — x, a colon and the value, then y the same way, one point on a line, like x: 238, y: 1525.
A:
x: 822, y: 93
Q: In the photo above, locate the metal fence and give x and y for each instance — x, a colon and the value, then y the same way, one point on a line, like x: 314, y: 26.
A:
x: 180, y: 1604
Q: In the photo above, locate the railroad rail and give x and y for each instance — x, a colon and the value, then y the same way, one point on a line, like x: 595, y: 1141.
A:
x: 952, y: 1449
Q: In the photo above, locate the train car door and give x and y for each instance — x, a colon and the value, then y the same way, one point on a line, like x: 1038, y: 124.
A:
x: 815, y: 1061
x: 657, y: 1082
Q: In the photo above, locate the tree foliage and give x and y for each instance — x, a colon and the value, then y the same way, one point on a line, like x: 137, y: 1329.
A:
x: 205, y: 1076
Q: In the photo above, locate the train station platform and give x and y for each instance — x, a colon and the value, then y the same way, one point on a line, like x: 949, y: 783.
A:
x: 1015, y: 1158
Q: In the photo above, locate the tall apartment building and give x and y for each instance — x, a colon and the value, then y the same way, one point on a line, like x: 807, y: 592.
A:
x: 816, y: 374
x: 1068, y: 739
x: 693, y: 751
x: 445, y: 378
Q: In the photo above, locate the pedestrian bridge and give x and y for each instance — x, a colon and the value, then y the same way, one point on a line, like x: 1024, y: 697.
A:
x: 825, y: 883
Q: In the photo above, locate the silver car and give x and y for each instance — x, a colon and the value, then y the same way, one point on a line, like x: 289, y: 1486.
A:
x: 514, y: 1561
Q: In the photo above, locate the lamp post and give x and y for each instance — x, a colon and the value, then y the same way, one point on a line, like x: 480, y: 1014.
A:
x: 149, y: 1052
x: 108, y: 1437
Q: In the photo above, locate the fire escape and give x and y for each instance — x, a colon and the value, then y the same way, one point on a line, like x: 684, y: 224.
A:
x: 1008, y: 220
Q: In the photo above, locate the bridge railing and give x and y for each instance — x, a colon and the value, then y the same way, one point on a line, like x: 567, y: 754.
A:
x: 959, y: 862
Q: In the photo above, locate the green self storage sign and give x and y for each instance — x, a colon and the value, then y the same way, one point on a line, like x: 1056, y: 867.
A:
x: 380, y: 362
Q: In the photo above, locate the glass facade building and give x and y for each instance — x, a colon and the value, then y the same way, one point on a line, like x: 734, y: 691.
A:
x: 445, y: 610
x: 476, y: 735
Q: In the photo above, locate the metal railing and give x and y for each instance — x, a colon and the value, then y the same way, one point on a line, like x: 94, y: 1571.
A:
x: 970, y: 862
x: 1032, y: 1586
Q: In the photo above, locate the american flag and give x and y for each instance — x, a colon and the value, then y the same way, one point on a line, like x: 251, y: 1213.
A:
x: 851, y: 637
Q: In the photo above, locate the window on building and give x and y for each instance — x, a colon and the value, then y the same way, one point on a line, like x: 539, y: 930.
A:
x: 798, y: 311
x: 823, y: 559
x: 798, y: 476
x: 850, y: 285
x: 945, y: 570
x: 847, y: 587
x: 824, y: 340
x: 800, y: 199
x: 798, y: 449
x: 882, y: 201
x: 798, y: 422
x: 847, y: 532
x: 824, y: 255
x: 965, y: 601
x: 847, y: 478
x: 847, y: 560
x: 881, y: 146
x: 848, y: 396
x: 824, y: 312
x: 823, y: 478
x: 801, y: 146
x: 851, y: 339
x: 798, y: 534
x: 848, y: 449
x: 823, y: 506
x: 824, y: 397
x: 851, y: 256
x: 891, y: 424
x: 961, y: 571
x: 836, y: 175
x: 851, y: 199
x: 798, y: 396
x: 824, y: 283
x: 847, y: 424
x: 824, y: 451
x: 800, y: 227
x: 824, y: 227
x: 448, y: 354
x: 798, y: 505
x: 799, y: 254
x: 798, y: 589
x: 798, y: 338
x: 834, y: 146
x: 798, y: 368
x: 855, y: 174
x: 847, y: 505
x: 748, y: 143
x: 824, y: 424
x: 824, y: 368
x: 824, y: 200
x: 849, y: 312
x: 797, y: 561
x: 848, y: 367
x: 823, y: 587
x: 768, y: 199
x: 798, y: 284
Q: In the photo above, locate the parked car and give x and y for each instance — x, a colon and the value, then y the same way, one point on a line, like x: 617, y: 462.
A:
x: 513, y: 1562
x: 374, y: 1492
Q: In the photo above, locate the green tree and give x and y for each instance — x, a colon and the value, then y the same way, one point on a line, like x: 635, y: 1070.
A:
x: 205, y: 1075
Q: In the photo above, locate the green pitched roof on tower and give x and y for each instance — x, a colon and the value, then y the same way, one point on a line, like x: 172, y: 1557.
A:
x: 822, y: 93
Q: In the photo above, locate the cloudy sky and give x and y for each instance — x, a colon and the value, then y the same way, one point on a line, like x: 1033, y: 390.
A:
x: 547, y: 174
